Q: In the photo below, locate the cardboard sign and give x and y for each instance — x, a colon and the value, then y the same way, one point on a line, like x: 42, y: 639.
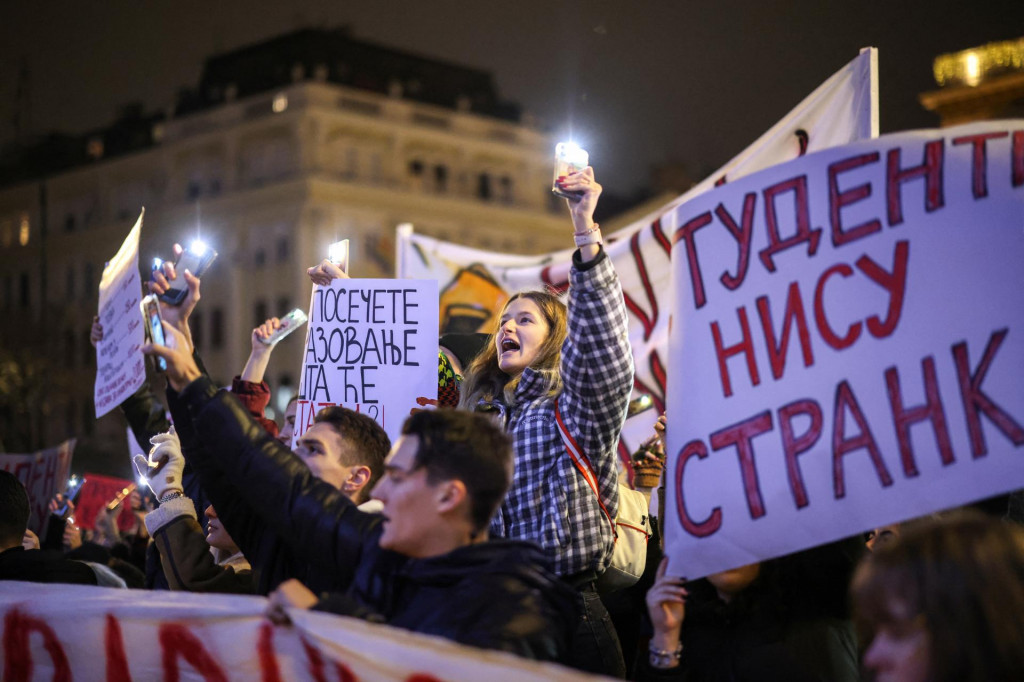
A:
x: 44, y: 474
x: 120, y: 365
x: 52, y: 631
x: 848, y: 344
x: 371, y: 346
x: 841, y: 110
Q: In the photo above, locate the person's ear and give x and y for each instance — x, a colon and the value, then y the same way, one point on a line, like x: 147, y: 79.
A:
x: 357, y: 479
x: 450, y: 495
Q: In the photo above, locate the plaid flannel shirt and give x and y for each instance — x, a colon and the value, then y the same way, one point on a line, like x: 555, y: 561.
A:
x: 549, y: 502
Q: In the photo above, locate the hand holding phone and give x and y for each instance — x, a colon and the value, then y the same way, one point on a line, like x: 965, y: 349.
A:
x: 569, y: 158
x: 197, y: 259
x: 154, y: 327
x: 289, y: 323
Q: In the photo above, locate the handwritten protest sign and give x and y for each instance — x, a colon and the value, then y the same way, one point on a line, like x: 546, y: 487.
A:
x: 841, y: 110
x: 44, y: 474
x: 50, y: 631
x: 120, y: 365
x: 371, y: 346
x: 848, y: 344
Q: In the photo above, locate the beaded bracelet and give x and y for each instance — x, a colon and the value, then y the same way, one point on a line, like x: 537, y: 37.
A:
x: 173, y: 494
x: 662, y: 658
x: 591, y: 236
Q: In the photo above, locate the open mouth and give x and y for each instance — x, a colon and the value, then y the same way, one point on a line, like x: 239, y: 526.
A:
x: 508, y: 345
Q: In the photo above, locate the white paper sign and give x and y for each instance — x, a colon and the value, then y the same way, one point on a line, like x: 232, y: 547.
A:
x: 120, y: 365
x: 65, y: 632
x: 848, y: 344
x: 371, y: 346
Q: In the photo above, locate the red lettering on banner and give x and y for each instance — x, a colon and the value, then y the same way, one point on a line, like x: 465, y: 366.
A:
x: 746, y: 346
x: 317, y: 663
x: 930, y: 170
x: 117, y: 661
x: 979, y: 166
x: 841, y: 445
x: 837, y: 200
x: 904, y: 417
x: 741, y: 435
x: 853, y: 331
x: 974, y: 398
x: 895, y: 283
x: 686, y: 233
x: 793, y: 446
x: 559, y: 287
x: 661, y: 238
x: 710, y: 525
x: 1018, y: 159
x: 647, y: 321
x: 269, y: 670
x: 176, y: 641
x: 793, y: 314
x: 742, y: 233
x: 421, y: 677
x: 804, y: 233
x: 18, y: 627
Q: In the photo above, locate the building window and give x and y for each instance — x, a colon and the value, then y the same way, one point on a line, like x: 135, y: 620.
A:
x: 283, y: 249
x: 217, y: 328
x: 507, y: 195
x: 23, y: 293
x: 259, y: 311
x: 260, y: 258
x: 195, y: 325
x: 69, y: 348
x: 483, y: 186
x: 69, y: 282
x: 416, y: 168
x: 284, y: 305
x: 88, y: 281
x: 193, y: 190
x: 441, y: 178
x: 69, y: 222
x: 23, y: 232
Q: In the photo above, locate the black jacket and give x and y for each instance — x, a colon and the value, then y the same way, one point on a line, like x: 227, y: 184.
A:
x: 495, y: 595
x: 43, y: 566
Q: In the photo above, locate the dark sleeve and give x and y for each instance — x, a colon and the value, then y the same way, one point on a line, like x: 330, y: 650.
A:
x: 245, y: 527
x: 189, y: 565
x: 321, y: 526
x: 145, y: 414
x: 255, y: 397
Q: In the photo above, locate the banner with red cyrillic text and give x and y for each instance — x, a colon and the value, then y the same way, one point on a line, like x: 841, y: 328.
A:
x: 44, y: 474
x: 848, y: 344
x: 475, y: 283
x: 96, y: 493
x: 371, y: 346
x: 69, y: 632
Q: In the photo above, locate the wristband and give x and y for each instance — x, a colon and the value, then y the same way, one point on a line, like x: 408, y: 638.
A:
x: 662, y: 658
x: 592, y: 236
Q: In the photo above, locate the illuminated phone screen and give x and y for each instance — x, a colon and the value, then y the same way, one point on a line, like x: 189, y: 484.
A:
x: 156, y: 331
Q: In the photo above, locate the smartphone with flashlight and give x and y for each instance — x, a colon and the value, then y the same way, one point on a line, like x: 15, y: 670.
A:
x: 154, y: 327
x: 569, y: 158
x: 197, y: 259
x: 289, y: 323
x: 337, y: 253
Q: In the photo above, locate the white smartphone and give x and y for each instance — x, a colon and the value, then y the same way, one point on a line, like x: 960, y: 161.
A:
x: 289, y: 323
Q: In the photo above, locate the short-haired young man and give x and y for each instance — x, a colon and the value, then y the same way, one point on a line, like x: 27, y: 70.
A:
x: 425, y: 564
x: 343, y: 448
x: 32, y: 565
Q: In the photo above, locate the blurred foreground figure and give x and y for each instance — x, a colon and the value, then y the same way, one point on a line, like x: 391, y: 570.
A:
x: 946, y: 602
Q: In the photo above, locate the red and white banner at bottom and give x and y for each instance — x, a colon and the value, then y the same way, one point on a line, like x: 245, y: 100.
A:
x: 77, y: 632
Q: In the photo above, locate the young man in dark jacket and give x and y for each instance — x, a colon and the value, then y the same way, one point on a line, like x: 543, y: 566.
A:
x: 425, y: 564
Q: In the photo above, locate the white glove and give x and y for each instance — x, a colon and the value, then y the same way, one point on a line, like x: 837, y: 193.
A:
x: 162, y: 470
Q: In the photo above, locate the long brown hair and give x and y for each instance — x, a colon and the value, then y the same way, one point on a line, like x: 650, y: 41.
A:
x: 963, y: 578
x: 484, y: 379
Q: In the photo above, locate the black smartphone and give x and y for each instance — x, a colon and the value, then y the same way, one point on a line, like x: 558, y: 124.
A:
x: 154, y: 327
x: 197, y: 259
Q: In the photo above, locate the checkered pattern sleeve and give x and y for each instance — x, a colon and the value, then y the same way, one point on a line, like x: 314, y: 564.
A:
x: 597, y: 371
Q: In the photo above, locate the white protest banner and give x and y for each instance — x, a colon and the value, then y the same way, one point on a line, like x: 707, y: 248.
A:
x: 848, y: 344
x: 371, y: 346
x: 120, y: 365
x: 843, y: 109
x: 67, y: 632
x: 44, y: 474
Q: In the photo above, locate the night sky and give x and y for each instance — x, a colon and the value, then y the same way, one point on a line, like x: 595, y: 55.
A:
x: 640, y: 82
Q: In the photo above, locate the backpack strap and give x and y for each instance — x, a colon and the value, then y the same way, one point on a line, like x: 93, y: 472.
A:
x: 579, y: 458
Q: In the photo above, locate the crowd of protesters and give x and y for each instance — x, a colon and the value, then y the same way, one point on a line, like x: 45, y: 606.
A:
x: 476, y: 526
